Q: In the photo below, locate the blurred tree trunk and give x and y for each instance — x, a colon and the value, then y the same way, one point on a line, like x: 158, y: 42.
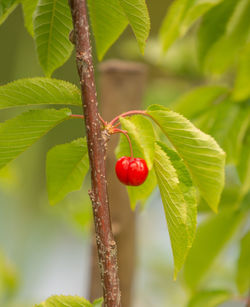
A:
x: 122, y: 86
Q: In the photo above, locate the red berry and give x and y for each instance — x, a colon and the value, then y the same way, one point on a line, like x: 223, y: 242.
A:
x: 131, y: 171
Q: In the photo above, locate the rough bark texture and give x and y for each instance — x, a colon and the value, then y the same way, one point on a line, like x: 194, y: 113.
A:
x: 106, y: 246
x: 121, y: 88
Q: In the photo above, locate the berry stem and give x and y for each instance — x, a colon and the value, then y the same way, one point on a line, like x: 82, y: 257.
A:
x: 77, y: 116
x: 116, y: 130
x: 102, y: 120
x: 133, y: 112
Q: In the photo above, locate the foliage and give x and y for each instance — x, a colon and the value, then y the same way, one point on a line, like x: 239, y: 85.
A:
x: 38, y: 91
x: 209, y: 298
x: 28, y: 11
x: 218, y: 47
x: 6, y: 7
x: 52, y: 24
x: 222, y: 38
x: 186, y: 157
x: 221, y: 109
x: 62, y: 180
x: 110, y: 19
x: 76, y: 301
x: 18, y: 133
x: 206, y: 248
x: 202, y: 155
x: 179, y: 201
x: 68, y: 164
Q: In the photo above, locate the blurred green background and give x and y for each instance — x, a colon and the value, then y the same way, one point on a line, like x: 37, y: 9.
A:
x: 45, y: 250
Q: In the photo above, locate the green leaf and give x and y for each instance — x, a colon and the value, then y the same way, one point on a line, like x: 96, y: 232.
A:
x: 170, y: 29
x: 172, y: 186
x: 199, y: 151
x: 63, y: 301
x: 37, y: 91
x: 187, y: 188
x: 209, y: 298
x: 180, y: 16
x: 231, y: 129
x: 138, y: 17
x: 6, y: 8
x: 241, y: 86
x: 225, y: 51
x: 243, y: 272
x: 18, y: 133
x: 228, y: 123
x: 213, y: 26
x: 29, y: 7
x: 198, y: 9
x: 231, y: 196
x: 211, y: 236
x: 108, y: 21
x: 52, y: 25
x: 142, y: 137
x: 243, y: 166
x: 66, y: 168
x: 198, y: 100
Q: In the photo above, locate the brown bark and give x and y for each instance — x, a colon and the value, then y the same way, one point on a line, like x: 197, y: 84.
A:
x: 106, y: 245
x: 121, y: 88
x: 248, y: 300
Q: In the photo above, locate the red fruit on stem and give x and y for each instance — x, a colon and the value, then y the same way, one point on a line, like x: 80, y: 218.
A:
x: 131, y: 171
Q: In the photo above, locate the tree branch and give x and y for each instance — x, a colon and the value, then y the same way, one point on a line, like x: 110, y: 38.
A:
x: 107, y: 251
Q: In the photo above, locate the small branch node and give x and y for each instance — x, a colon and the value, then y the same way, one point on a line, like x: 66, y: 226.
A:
x: 72, y: 37
x: 92, y: 196
x: 112, y: 244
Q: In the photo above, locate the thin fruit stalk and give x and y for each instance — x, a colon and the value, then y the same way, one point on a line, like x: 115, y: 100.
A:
x: 106, y: 245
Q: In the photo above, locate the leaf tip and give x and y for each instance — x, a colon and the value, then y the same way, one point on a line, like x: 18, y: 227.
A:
x: 175, y: 274
x: 100, y: 55
x: 142, y: 47
x: 215, y: 209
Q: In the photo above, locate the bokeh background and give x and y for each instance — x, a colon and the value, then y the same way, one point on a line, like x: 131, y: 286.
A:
x: 45, y: 250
